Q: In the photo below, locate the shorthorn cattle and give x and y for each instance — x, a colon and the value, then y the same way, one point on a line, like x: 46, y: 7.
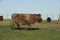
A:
x: 25, y: 19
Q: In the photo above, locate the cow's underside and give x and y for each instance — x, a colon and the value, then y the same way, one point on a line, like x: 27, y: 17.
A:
x: 18, y: 25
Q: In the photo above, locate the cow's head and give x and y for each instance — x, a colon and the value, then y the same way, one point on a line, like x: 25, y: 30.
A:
x: 38, y: 18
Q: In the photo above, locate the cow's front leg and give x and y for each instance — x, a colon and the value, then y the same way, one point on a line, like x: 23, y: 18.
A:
x: 30, y: 26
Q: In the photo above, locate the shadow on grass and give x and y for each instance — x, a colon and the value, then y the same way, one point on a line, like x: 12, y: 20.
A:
x: 26, y: 28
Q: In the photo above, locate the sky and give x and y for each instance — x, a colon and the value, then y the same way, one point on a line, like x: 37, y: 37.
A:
x: 47, y: 8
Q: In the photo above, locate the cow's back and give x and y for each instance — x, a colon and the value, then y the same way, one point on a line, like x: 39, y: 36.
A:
x: 24, y: 18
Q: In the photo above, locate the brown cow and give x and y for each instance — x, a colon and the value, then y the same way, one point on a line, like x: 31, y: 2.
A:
x: 27, y: 19
x: 1, y: 18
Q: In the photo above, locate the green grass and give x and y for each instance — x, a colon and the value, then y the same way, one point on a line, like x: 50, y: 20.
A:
x: 43, y: 34
x: 7, y: 19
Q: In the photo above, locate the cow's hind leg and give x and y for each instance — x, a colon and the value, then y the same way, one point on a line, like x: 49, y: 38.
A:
x: 12, y: 25
x: 18, y: 25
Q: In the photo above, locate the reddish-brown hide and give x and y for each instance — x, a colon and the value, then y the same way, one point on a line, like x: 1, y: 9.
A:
x: 27, y: 19
x: 1, y: 18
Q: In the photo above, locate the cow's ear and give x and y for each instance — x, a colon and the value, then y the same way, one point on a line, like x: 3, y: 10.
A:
x: 39, y: 14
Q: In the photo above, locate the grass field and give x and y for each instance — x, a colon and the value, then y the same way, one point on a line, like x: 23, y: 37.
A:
x: 43, y: 34
x: 48, y: 31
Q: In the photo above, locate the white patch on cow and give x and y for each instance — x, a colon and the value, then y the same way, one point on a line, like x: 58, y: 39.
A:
x: 27, y: 16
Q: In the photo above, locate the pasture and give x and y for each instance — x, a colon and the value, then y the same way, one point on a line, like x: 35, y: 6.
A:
x: 48, y: 31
